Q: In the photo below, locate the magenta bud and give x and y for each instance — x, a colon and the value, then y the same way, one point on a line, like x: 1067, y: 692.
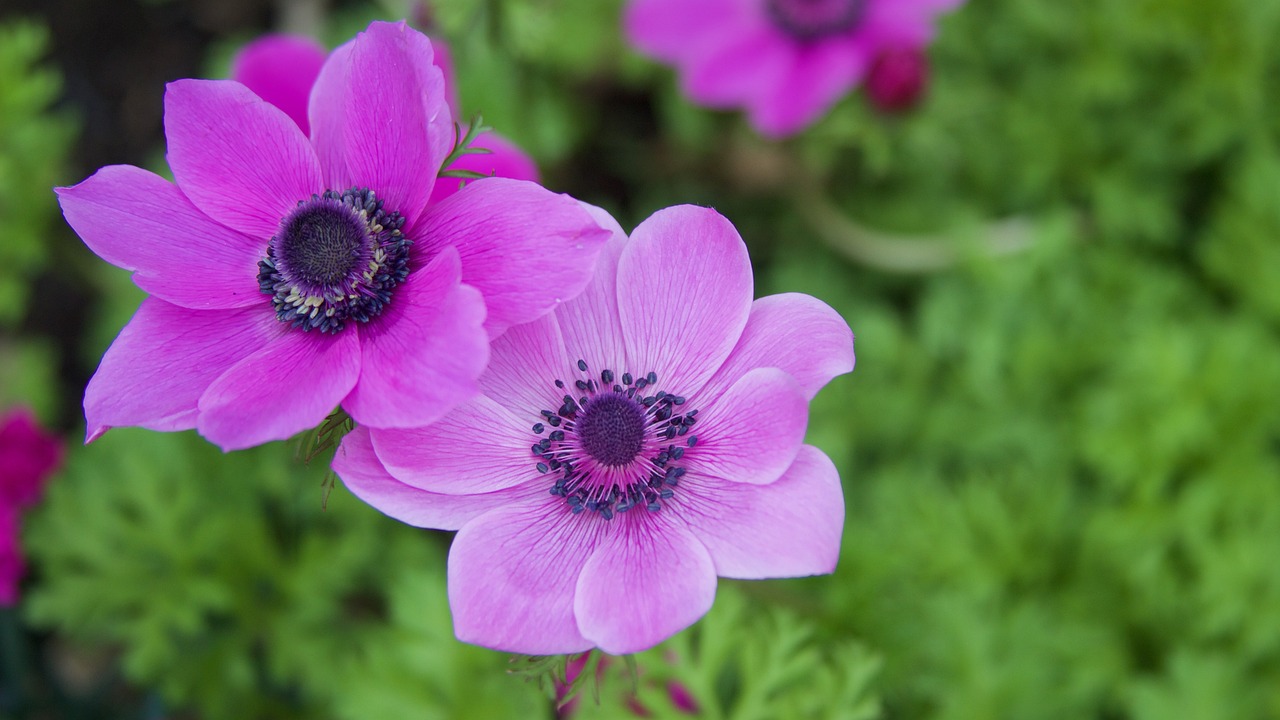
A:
x: 898, y: 79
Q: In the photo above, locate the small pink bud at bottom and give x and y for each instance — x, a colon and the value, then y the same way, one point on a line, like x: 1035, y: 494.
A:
x: 898, y: 79
x: 682, y: 698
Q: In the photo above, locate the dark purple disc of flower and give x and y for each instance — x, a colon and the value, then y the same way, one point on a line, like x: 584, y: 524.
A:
x: 628, y: 448
x: 291, y: 274
x: 786, y: 62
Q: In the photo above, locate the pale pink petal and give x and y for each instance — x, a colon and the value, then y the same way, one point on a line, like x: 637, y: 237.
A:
x: 647, y: 580
x: 422, y: 356
x: 395, y: 128
x: 504, y: 159
x: 154, y: 373
x: 512, y: 574
x: 796, y: 333
x: 280, y: 69
x: 478, y: 447
x: 589, y: 322
x: 816, y: 78
x: 364, y: 475
x: 137, y: 220
x: 526, y: 361
x: 684, y: 293
x: 288, y: 386
x: 526, y: 249
x: 788, y: 528
x: 239, y: 159
x: 752, y: 432
x: 675, y: 29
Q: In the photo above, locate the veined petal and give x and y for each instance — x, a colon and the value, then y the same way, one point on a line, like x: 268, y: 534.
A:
x: 752, y: 432
x: 139, y: 221
x: 423, y: 355
x: 365, y: 476
x: 526, y: 249
x: 646, y: 581
x: 238, y: 158
x: 379, y: 118
x: 504, y: 159
x: 526, y: 361
x: 589, y: 322
x: 479, y: 447
x: 286, y: 387
x: 281, y: 70
x: 788, y: 528
x: 796, y: 333
x: 684, y: 294
x: 154, y: 373
x: 512, y: 574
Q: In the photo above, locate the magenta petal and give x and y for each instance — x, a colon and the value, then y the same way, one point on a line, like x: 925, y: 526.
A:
x: 816, y: 78
x: 731, y: 73
x: 644, y: 583
x: 281, y: 70
x: 504, y: 159
x: 443, y: 59
x: 239, y: 159
x: 364, y: 475
x: 684, y: 293
x: 166, y: 357
x: 480, y: 447
x: 389, y: 126
x: 526, y: 249
x: 788, y: 528
x: 676, y: 29
x: 752, y: 432
x: 424, y: 354
x: 512, y: 574
x: 796, y: 333
x: 137, y: 220
x: 288, y: 386
x: 589, y: 322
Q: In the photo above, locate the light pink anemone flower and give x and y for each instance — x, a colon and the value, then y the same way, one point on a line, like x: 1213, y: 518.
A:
x: 290, y: 275
x: 281, y: 69
x: 785, y: 61
x: 629, y: 448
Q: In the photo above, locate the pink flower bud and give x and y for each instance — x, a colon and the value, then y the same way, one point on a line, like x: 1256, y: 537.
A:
x: 898, y: 79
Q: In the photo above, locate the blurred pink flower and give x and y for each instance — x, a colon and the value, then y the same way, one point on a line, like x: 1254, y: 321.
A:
x: 785, y: 61
x: 28, y: 457
x: 268, y: 235
x: 281, y: 69
x: 627, y: 449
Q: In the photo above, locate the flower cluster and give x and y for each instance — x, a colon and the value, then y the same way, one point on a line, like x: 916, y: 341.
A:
x: 28, y: 456
x: 609, y: 422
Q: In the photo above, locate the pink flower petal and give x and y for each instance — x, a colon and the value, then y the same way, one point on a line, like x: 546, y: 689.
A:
x: 752, y: 432
x: 796, y: 333
x: 238, y: 158
x: 512, y: 574
x: 422, y: 356
x: 288, y: 386
x: 478, y: 447
x: 589, y: 322
x: 281, y: 69
x: 137, y: 220
x: 526, y: 249
x: 646, y: 581
x: 364, y: 475
x: 166, y: 357
x: 388, y: 123
x: 12, y: 565
x: 731, y: 73
x: 817, y: 77
x: 675, y: 29
x: 443, y: 59
x: 684, y: 294
x: 788, y: 528
x: 504, y: 159
x: 527, y: 360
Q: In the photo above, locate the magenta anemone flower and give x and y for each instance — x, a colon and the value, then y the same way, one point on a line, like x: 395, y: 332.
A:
x: 785, y: 61
x: 281, y: 69
x: 628, y: 448
x: 28, y: 457
x: 289, y: 275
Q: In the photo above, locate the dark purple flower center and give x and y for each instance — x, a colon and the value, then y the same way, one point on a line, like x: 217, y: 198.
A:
x: 336, y: 257
x: 616, y: 445
x: 814, y: 19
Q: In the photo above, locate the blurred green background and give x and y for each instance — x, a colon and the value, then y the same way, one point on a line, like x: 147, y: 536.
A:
x: 1060, y: 449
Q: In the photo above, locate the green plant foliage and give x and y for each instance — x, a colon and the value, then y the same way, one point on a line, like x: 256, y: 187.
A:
x: 34, y: 141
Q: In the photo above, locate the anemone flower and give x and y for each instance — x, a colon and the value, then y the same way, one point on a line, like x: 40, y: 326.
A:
x: 281, y: 69
x: 627, y: 449
x: 290, y: 275
x: 785, y: 61
x: 28, y: 458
